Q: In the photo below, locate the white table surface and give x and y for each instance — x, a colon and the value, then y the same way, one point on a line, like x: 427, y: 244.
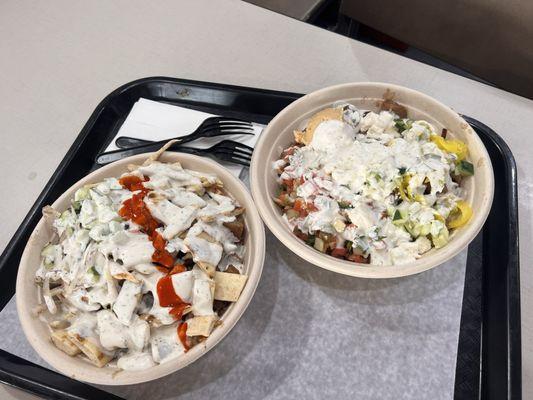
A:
x: 59, y: 59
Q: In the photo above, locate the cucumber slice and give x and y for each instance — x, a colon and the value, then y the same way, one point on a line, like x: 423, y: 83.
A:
x: 464, y: 168
x: 320, y: 245
x: 441, y: 239
x: 82, y: 194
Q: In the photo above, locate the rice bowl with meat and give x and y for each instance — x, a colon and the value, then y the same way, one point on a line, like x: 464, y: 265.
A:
x: 141, y: 272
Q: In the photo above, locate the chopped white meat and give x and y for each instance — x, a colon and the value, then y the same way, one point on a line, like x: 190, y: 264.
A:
x: 79, y: 298
x: 204, y: 251
x: 222, y: 205
x: 127, y: 300
x: 166, y: 345
x: 139, y: 334
x: 218, y: 232
x: 184, y: 198
x: 135, y: 361
x: 135, y: 249
x: 175, y: 172
x: 112, y: 333
x: 202, y: 294
x: 176, y: 219
x: 183, y: 284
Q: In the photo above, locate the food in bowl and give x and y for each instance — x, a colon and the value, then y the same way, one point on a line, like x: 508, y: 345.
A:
x: 373, y: 187
x: 142, y: 266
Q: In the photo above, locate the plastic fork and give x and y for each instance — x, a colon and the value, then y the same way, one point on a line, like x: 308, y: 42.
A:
x: 211, y: 127
x: 227, y: 150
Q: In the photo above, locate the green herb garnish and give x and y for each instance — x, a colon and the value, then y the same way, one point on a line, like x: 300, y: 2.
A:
x: 403, y: 124
x: 344, y: 205
x: 402, y: 170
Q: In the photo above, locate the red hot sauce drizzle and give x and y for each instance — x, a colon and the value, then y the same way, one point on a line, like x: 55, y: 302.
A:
x: 182, y: 335
x: 134, y: 209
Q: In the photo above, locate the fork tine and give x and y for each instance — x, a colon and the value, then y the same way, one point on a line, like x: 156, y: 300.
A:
x: 227, y: 122
x: 219, y: 132
x: 227, y: 127
x: 235, y: 160
x: 234, y: 128
x: 233, y: 143
x: 239, y: 161
x: 245, y: 152
x: 233, y: 152
x: 225, y: 119
x: 241, y: 126
x: 235, y: 147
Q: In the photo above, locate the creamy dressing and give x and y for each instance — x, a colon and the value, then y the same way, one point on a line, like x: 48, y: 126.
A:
x: 183, y: 284
x: 176, y: 219
x: 202, y: 293
x: 127, y: 301
x: 165, y: 345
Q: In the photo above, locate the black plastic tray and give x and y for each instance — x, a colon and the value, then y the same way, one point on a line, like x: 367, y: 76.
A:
x: 489, y: 352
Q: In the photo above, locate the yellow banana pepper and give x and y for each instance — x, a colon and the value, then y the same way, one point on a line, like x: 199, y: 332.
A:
x: 459, y: 148
x: 461, y: 215
x: 403, y: 188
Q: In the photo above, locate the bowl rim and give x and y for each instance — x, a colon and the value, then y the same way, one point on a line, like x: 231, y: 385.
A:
x: 67, y: 365
x: 276, y: 225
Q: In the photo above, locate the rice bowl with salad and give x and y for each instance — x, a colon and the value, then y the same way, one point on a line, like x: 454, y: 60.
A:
x: 373, y: 187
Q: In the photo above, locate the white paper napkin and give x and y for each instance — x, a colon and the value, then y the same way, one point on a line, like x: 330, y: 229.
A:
x: 153, y: 120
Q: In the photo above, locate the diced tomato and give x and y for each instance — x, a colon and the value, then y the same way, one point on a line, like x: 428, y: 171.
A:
x: 289, y: 183
x: 311, y: 207
x: 299, y: 234
x: 304, y: 208
x: 299, y: 205
x: 339, y: 252
x: 357, y: 258
x: 282, y: 199
x: 182, y: 335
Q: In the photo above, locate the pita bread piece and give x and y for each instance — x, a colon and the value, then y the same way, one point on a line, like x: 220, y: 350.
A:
x: 201, y: 325
x: 228, y: 286
x: 63, y: 343
x: 327, y: 114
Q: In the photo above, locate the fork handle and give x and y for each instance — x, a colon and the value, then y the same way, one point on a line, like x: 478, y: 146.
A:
x: 126, y: 142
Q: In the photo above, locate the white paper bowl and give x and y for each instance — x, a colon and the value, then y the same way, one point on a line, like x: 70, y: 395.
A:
x: 278, y: 135
x: 77, y: 368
